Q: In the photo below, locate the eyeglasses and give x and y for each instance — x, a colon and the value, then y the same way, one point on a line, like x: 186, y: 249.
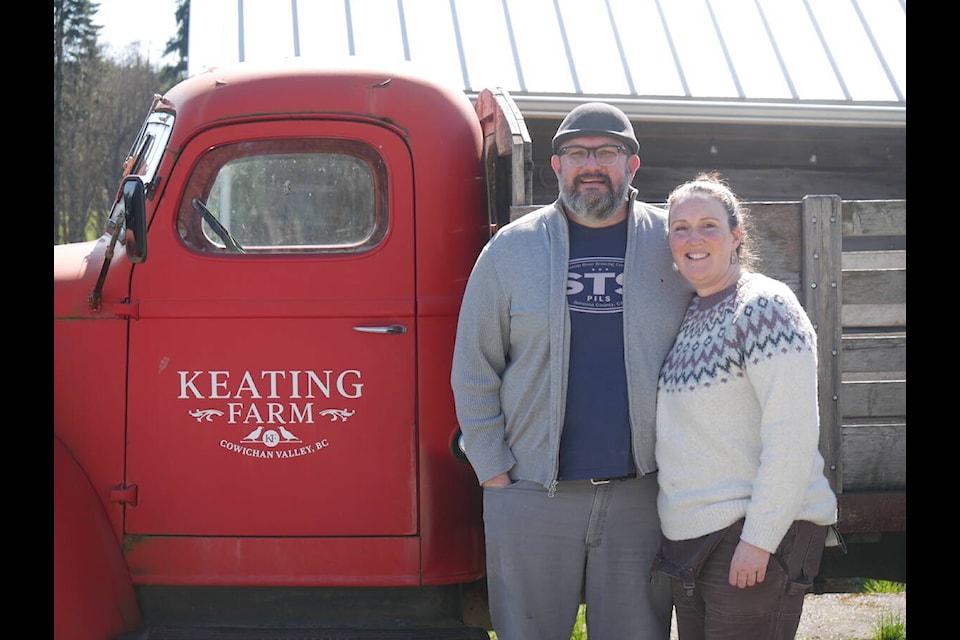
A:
x: 606, y: 155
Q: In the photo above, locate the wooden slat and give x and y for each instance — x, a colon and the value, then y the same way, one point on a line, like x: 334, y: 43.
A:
x: 820, y: 275
x: 774, y: 232
x: 874, y: 398
x: 874, y: 352
x: 850, y: 422
x: 874, y: 286
x: 873, y: 376
x: 894, y: 259
x: 875, y: 218
x: 872, y: 512
x: 874, y: 315
x: 520, y: 210
x: 874, y: 457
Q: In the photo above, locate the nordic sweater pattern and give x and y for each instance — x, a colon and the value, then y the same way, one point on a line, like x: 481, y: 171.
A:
x: 714, y: 344
x: 738, y: 417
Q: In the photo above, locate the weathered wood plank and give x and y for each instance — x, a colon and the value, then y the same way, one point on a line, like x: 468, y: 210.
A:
x: 874, y: 315
x: 874, y: 457
x: 761, y: 162
x: 894, y: 259
x: 874, y: 398
x: 773, y: 230
x: 870, y: 512
x: 873, y: 376
x: 517, y: 211
x: 874, y: 352
x: 875, y: 218
x: 874, y: 286
x: 754, y: 183
x: 820, y: 273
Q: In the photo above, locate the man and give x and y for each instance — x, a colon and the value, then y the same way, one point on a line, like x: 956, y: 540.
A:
x: 566, y: 319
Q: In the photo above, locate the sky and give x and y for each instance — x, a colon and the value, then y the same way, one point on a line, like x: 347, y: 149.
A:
x: 146, y: 24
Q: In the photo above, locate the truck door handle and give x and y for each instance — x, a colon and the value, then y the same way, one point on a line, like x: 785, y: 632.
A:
x: 393, y: 328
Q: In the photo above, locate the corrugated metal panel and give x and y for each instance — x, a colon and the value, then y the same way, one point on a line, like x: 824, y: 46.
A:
x: 816, y: 61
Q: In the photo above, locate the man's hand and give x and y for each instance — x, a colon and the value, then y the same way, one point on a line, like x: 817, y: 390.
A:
x: 498, y: 481
x: 748, y: 566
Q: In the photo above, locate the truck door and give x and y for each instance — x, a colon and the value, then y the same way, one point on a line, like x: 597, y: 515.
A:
x: 272, y: 354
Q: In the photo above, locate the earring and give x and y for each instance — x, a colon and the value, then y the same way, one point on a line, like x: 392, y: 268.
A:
x: 733, y: 257
x: 674, y: 266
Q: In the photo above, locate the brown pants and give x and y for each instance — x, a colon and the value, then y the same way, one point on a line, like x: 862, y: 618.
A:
x: 770, y: 610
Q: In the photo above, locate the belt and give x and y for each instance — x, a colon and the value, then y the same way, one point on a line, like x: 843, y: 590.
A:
x: 609, y: 480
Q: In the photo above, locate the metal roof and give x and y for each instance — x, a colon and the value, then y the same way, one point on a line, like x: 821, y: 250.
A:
x: 791, y: 61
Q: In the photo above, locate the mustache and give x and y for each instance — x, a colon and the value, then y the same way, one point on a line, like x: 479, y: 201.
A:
x: 592, y: 176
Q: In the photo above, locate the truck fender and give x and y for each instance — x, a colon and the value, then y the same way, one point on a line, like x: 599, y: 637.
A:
x: 93, y: 597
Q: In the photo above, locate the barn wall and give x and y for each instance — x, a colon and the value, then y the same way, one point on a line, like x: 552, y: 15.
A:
x: 761, y: 162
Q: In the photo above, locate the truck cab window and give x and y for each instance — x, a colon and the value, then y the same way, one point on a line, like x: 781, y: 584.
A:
x: 287, y: 196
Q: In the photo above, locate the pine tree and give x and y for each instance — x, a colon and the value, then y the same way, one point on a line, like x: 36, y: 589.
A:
x: 76, y: 58
x: 172, y: 74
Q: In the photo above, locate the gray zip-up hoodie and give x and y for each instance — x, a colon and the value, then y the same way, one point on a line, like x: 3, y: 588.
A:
x: 512, y: 350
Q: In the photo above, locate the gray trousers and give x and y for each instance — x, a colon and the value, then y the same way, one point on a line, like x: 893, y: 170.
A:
x: 589, y: 543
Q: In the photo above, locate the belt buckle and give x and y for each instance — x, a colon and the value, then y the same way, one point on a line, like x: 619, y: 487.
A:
x: 599, y: 481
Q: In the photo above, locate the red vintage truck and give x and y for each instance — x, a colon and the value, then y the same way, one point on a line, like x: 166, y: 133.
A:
x: 254, y: 428
x: 254, y: 431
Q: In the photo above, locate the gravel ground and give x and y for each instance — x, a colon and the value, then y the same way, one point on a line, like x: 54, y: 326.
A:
x: 844, y: 616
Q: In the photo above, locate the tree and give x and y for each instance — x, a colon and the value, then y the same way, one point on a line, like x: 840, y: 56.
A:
x: 172, y: 74
x: 76, y: 58
x: 99, y: 105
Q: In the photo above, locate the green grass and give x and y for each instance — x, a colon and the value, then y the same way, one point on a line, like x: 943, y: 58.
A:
x: 883, y: 586
x: 890, y: 627
x: 579, y: 627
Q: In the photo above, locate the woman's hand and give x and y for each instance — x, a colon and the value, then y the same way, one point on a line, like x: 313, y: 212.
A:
x: 748, y: 566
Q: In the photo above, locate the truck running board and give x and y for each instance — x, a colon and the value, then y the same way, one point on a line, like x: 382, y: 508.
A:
x: 220, y: 633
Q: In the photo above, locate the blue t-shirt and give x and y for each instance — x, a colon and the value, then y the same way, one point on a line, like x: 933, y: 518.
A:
x: 596, y: 431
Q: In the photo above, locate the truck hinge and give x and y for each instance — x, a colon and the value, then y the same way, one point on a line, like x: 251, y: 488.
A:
x: 127, y: 309
x: 124, y: 494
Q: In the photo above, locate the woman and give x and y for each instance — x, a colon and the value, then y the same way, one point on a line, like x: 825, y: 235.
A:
x: 744, y: 504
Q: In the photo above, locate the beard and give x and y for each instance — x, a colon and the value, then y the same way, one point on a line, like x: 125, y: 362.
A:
x: 595, y: 206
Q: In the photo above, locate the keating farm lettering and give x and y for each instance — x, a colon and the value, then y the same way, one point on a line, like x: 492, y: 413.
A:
x: 273, y: 402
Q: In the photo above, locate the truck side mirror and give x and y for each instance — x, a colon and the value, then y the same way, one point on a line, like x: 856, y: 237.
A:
x: 135, y: 218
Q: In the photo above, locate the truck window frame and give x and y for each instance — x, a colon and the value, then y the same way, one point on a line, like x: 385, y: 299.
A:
x: 290, y: 179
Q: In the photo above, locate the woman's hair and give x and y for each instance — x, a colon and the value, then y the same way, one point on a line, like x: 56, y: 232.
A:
x: 713, y: 185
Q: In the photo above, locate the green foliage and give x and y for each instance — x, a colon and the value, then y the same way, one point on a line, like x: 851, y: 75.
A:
x: 98, y: 107
x: 178, y: 44
x: 579, y: 628
x: 74, y: 32
x: 890, y: 627
x: 884, y: 586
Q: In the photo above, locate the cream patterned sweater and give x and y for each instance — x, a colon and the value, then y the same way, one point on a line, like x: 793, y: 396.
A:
x: 738, y: 419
